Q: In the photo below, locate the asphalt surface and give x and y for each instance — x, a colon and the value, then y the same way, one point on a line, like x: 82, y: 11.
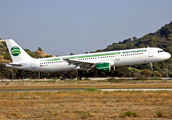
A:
x: 139, y: 89
x: 24, y: 90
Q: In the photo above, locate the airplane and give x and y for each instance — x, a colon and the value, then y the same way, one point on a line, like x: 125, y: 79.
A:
x: 103, y: 61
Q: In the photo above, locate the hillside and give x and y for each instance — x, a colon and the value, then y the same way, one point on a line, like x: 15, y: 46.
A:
x: 162, y: 38
x: 4, y: 55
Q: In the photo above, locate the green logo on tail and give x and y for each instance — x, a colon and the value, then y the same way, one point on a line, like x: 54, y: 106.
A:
x: 15, y: 51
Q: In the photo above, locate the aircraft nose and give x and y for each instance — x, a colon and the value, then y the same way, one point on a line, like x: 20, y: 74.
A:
x: 168, y: 55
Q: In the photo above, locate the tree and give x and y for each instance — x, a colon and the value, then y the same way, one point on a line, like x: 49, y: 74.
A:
x: 157, y: 74
x: 170, y: 37
x: 141, y: 46
x: 40, y: 49
x: 146, y: 72
x: 129, y: 45
x: 151, y: 44
x: 135, y: 39
x: 127, y: 40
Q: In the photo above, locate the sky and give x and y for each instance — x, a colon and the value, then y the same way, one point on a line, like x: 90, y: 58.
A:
x: 79, y: 26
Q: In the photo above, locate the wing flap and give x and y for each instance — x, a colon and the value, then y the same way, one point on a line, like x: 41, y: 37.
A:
x: 82, y: 64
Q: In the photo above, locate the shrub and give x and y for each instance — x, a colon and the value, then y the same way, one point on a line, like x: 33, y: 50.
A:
x: 135, y: 114
x: 159, y: 113
x: 85, y: 115
x: 91, y: 89
x: 129, y: 114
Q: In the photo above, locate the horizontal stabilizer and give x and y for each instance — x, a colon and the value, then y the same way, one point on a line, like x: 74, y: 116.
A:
x: 14, y: 64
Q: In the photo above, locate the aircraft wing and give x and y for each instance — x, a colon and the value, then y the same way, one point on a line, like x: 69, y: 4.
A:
x: 82, y: 64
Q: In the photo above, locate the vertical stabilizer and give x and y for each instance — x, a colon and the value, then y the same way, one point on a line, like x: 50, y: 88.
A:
x: 16, y: 52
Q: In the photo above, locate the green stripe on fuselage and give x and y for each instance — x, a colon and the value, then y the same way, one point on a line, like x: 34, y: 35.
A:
x: 86, y: 56
x: 82, y: 56
x: 50, y: 60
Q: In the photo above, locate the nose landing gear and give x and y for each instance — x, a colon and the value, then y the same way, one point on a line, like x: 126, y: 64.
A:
x: 151, y: 66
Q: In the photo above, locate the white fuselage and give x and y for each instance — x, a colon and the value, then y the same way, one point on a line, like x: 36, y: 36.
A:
x: 115, y: 58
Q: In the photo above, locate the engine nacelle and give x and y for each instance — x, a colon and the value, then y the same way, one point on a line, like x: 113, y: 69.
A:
x: 103, y: 67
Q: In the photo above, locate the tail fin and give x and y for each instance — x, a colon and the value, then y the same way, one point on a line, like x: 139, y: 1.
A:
x: 16, y: 52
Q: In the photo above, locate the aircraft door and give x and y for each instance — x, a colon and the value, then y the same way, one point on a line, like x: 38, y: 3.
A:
x: 33, y: 64
x: 150, y: 52
x: 116, y: 57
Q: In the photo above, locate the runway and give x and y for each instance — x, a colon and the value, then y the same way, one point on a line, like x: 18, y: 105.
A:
x: 108, y: 90
x: 138, y: 89
x: 24, y: 90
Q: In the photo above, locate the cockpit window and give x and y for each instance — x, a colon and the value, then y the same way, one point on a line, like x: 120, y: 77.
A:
x: 159, y: 51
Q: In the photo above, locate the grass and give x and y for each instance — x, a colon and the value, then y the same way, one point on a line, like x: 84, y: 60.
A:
x: 85, y: 105
x: 83, y: 84
x: 90, y: 104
